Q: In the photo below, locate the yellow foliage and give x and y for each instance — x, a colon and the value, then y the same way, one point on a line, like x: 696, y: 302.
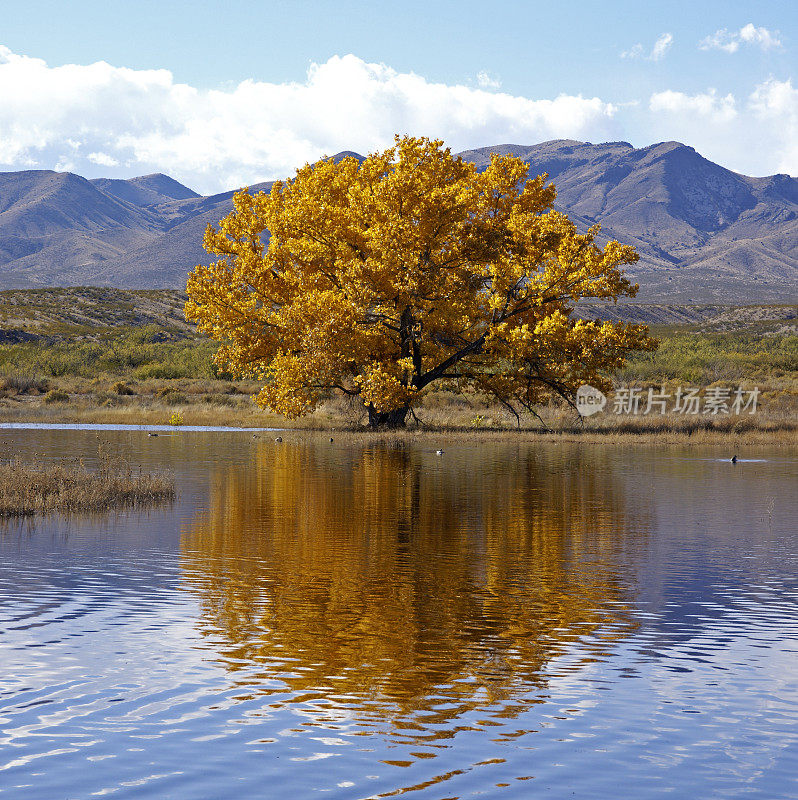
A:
x: 382, y: 277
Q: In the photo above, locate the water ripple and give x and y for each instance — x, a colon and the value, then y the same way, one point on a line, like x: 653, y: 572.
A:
x: 373, y: 623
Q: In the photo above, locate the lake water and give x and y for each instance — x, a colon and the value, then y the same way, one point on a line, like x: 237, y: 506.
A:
x: 353, y: 620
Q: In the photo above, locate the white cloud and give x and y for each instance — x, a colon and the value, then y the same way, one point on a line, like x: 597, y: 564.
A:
x: 64, y: 165
x: 756, y: 135
x: 635, y: 51
x: 658, y: 51
x: 730, y: 41
x: 487, y: 81
x: 216, y: 139
x: 100, y: 119
x: 661, y: 46
x: 102, y: 159
x: 706, y: 105
x: 775, y: 104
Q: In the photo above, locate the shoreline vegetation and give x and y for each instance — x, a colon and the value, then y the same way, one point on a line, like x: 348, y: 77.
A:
x: 122, y: 356
x: 69, y: 487
x: 765, y: 427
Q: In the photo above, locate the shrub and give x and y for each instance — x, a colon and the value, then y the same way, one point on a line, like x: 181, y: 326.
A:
x: 173, y: 397
x: 162, y: 371
x: 218, y: 399
x: 148, y: 352
x: 703, y: 358
x: 56, y: 396
x: 23, y: 382
x: 106, y: 399
x: 120, y: 387
x: 148, y: 334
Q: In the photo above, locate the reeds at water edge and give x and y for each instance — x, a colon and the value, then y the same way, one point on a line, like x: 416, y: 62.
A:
x: 69, y: 487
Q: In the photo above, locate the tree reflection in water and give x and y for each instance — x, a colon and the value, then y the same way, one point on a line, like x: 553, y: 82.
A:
x: 399, y: 584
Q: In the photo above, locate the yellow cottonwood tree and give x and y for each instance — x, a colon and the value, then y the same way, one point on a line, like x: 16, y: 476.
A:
x: 384, y: 277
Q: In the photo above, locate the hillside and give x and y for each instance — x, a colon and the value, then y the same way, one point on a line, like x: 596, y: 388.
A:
x: 27, y: 314
x: 148, y: 190
x: 705, y: 234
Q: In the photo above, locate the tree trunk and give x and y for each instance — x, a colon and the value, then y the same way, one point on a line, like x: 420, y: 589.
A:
x: 387, y: 419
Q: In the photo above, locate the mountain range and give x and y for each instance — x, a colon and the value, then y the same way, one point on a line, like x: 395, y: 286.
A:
x: 704, y: 233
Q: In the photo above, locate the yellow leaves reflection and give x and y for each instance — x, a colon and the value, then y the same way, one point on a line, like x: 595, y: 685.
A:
x: 390, y: 578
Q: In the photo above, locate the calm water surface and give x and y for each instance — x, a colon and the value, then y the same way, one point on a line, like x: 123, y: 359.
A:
x: 350, y: 620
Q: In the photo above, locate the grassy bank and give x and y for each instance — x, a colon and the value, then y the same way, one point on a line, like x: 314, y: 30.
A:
x: 71, y: 488
x: 733, y: 439
x: 439, y: 415
x: 101, y: 355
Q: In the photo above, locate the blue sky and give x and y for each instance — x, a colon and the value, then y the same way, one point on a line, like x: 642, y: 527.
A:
x: 223, y: 93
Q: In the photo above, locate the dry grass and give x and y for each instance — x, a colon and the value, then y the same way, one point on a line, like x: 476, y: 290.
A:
x: 71, y: 488
x: 780, y: 436
x: 20, y: 382
x: 226, y: 403
x: 774, y: 421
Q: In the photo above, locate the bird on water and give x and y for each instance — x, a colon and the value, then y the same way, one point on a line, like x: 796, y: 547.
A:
x: 734, y: 459
x: 439, y: 452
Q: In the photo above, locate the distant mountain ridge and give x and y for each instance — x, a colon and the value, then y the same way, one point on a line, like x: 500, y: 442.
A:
x: 148, y: 190
x: 704, y: 233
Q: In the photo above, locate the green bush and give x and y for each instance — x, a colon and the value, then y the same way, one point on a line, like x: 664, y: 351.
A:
x: 704, y: 358
x: 143, y: 353
x: 162, y: 372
